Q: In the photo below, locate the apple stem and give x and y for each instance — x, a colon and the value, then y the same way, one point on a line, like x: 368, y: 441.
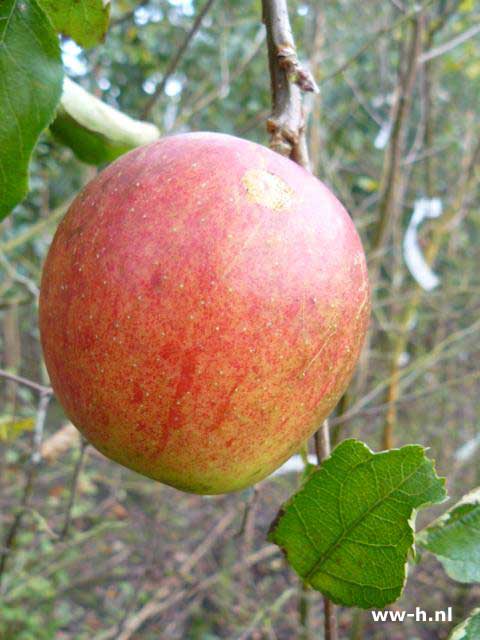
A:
x: 289, y: 79
x: 330, y: 619
x: 322, y: 442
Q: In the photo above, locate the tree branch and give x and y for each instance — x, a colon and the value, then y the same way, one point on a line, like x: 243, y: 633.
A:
x: 165, y: 598
x: 451, y: 44
x: 73, y: 489
x: 392, y: 187
x: 202, y: 99
x: 376, y: 36
x: 176, y: 59
x: 26, y: 382
x: 33, y: 230
x: 288, y: 78
x: 16, y: 276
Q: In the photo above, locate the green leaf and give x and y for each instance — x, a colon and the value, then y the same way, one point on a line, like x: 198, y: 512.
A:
x: 455, y: 539
x: 368, y: 184
x: 30, y: 87
x: 11, y: 427
x: 466, y: 6
x: 469, y: 629
x: 86, y: 21
x: 348, y: 531
x: 96, y: 132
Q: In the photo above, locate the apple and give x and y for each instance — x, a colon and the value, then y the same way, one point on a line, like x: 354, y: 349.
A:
x: 203, y: 305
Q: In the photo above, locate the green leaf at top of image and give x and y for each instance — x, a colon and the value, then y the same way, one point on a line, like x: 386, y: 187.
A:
x: 349, y: 529
x: 85, y: 21
x: 30, y: 87
x: 469, y: 629
x: 455, y: 539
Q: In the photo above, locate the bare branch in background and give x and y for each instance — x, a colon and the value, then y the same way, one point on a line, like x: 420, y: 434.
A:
x: 414, y: 369
x: 265, y: 613
x: 27, y: 383
x: 176, y: 59
x: 166, y: 597
x: 73, y: 488
x: 202, y: 99
x: 288, y: 78
x: 371, y: 41
x: 34, y: 230
x: 314, y: 107
x: 451, y: 44
x: 393, y: 184
x: 394, y: 176
x: 445, y: 12
x: 35, y: 459
x: 16, y: 276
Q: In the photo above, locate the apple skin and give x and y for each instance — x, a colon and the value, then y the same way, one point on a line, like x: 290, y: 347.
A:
x: 203, y: 305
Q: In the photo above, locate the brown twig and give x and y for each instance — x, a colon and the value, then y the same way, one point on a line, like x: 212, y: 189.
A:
x: 173, y: 64
x: 395, y: 177
x: 249, y: 506
x: 451, y: 44
x: 393, y: 184
x: 288, y: 79
x: 43, y: 390
x: 73, y: 488
x: 206, y: 544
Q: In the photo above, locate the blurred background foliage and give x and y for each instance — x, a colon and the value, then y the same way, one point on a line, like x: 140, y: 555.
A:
x: 134, y: 559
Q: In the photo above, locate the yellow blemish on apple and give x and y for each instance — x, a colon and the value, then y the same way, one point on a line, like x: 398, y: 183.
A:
x: 267, y: 189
